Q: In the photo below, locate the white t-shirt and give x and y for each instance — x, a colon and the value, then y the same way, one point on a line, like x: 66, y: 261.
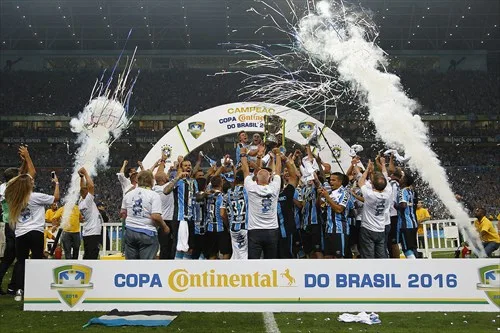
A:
x: 395, y: 189
x: 262, y: 203
x: 124, y: 182
x: 376, y: 208
x: 92, y: 219
x: 33, y: 216
x: 167, y: 202
x: 2, y: 190
x: 140, y: 203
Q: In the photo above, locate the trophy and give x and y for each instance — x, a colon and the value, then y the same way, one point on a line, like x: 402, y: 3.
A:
x: 274, y: 131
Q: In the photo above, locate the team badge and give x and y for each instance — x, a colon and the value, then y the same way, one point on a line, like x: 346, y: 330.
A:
x: 490, y: 282
x: 71, y: 282
x: 196, y: 128
x: 306, y: 128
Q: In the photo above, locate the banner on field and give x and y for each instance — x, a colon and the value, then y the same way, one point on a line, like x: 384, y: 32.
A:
x: 264, y: 285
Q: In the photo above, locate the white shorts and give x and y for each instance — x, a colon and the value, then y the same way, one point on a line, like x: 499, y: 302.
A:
x: 183, y: 236
x: 239, y: 242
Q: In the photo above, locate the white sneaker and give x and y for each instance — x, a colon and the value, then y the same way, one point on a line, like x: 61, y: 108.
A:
x: 19, y: 295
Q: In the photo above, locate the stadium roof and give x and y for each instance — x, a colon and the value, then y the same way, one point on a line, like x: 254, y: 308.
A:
x: 204, y: 24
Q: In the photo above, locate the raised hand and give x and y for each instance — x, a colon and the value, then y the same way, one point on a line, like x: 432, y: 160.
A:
x: 23, y: 152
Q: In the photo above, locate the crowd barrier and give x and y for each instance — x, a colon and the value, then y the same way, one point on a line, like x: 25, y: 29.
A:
x: 441, y: 236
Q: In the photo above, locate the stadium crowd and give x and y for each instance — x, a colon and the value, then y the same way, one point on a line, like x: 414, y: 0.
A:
x: 188, y: 91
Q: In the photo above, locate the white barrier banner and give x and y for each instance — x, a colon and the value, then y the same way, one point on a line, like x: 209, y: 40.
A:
x: 264, y: 285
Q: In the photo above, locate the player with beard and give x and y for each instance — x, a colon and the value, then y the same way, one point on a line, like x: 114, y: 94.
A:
x: 184, y: 188
x: 286, y: 210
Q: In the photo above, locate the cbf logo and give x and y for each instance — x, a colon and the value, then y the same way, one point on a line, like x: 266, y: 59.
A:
x: 306, y: 128
x: 167, y: 151
x: 71, y: 282
x: 490, y: 282
x: 196, y: 128
x: 336, y: 151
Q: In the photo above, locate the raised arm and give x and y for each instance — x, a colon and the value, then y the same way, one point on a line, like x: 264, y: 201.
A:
x: 244, y: 162
x: 57, y: 194
x: 392, y: 166
x: 161, y: 163
x: 320, y: 165
x: 292, y: 171
x: 124, y: 165
x: 382, y: 166
x: 90, y: 184
x: 141, y: 167
x: 198, y: 164
x: 277, y: 162
x: 369, y: 168
x: 27, y: 165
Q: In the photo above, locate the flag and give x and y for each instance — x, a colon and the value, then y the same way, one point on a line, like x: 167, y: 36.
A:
x: 141, y: 318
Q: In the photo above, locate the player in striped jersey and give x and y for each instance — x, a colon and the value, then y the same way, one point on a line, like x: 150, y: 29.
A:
x: 217, y: 237
x: 395, y: 175
x: 234, y: 213
x: 199, y: 246
x: 298, y: 246
x: 336, y: 238
x: 312, y: 232
x: 286, y: 210
x: 184, y: 188
x: 407, y: 223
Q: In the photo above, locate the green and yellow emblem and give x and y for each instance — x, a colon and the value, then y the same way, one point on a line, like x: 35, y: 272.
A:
x: 196, y: 128
x: 490, y: 282
x: 306, y: 128
x: 71, y: 282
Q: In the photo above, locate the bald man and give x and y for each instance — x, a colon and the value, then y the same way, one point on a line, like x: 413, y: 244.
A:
x: 263, y: 193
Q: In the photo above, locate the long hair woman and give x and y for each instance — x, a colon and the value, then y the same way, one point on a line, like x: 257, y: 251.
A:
x: 27, y: 219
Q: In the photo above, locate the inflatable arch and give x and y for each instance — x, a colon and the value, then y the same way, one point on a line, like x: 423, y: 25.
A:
x: 249, y: 116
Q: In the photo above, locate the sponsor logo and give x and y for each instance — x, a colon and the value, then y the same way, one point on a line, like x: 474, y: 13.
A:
x: 306, y: 128
x: 181, y: 280
x: 196, y: 128
x: 71, y: 282
x: 489, y: 277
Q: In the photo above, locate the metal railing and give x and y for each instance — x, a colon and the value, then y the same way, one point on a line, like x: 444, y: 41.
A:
x: 441, y: 236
